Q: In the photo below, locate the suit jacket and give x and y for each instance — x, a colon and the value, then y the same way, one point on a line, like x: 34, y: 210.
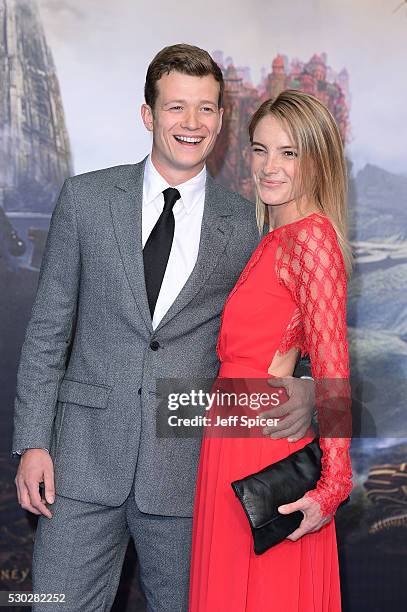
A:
x: 87, y: 376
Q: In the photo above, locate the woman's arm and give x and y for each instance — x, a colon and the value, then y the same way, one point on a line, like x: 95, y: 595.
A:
x: 312, y: 268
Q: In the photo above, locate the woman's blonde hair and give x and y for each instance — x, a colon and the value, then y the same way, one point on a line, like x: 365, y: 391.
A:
x: 322, y: 171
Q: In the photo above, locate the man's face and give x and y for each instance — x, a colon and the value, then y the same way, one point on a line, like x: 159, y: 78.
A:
x: 185, y: 123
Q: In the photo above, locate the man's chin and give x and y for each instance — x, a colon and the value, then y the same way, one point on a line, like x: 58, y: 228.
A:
x: 188, y: 164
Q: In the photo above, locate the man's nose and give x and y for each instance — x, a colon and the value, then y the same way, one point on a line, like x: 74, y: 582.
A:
x: 190, y: 120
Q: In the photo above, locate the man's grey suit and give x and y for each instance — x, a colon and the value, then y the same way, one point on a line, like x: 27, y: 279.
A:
x: 87, y: 376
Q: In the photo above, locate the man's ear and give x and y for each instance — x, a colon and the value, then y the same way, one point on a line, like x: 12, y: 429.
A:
x: 220, y: 120
x: 147, y: 117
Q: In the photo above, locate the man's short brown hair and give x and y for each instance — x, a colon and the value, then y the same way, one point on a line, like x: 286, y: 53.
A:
x: 185, y: 59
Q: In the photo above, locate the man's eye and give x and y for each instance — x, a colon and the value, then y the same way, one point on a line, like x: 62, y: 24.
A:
x: 207, y: 109
x: 175, y: 107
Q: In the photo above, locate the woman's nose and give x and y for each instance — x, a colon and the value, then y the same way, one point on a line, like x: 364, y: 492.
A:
x: 270, y: 164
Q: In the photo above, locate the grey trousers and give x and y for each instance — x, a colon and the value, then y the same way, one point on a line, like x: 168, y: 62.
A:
x: 80, y: 552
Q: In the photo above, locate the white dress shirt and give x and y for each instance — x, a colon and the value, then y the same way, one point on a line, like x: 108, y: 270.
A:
x: 188, y: 212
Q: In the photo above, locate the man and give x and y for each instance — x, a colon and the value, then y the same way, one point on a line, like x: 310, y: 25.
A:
x: 138, y: 263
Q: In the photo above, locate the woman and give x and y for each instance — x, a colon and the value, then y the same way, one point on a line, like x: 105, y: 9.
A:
x: 290, y: 299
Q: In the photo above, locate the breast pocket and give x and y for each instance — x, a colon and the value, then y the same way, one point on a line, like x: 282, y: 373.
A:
x: 223, y: 277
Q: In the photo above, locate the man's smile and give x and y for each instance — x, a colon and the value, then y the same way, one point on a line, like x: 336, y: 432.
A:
x: 189, y: 140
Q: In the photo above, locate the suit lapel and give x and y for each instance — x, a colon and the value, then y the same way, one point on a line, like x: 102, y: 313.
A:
x: 215, y: 234
x: 125, y: 209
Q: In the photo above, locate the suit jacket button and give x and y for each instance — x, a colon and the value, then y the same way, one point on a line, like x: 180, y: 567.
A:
x: 154, y: 345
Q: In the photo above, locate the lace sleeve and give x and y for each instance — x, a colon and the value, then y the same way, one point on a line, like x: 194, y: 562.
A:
x: 310, y: 265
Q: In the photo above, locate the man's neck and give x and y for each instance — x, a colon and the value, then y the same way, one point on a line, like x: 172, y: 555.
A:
x: 173, y: 176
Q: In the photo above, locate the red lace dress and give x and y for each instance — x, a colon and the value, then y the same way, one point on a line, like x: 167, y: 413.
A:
x: 292, y: 293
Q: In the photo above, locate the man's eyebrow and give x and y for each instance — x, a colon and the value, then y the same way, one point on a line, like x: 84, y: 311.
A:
x: 185, y: 102
x: 174, y: 102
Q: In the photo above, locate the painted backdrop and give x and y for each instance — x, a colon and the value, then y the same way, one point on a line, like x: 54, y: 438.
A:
x: 71, y: 82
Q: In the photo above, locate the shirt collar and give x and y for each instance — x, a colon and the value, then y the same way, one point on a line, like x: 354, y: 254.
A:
x: 154, y: 184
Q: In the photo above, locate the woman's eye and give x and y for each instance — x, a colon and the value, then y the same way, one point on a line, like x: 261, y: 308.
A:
x: 255, y: 150
x: 290, y: 154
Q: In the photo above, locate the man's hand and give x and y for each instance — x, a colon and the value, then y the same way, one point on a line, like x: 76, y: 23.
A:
x: 312, y: 520
x: 297, y: 410
x: 35, y: 466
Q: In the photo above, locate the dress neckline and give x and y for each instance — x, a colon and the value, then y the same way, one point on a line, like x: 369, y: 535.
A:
x: 271, y: 233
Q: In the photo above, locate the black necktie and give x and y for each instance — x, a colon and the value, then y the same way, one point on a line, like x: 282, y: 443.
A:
x: 158, y: 246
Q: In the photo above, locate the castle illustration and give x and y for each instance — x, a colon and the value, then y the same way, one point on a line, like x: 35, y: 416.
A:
x: 229, y: 161
x: 35, y: 155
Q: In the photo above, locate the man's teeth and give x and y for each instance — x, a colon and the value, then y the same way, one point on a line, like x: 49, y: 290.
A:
x: 189, y: 139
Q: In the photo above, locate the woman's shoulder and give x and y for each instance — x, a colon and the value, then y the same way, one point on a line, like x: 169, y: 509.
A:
x: 308, y: 233
x: 308, y: 246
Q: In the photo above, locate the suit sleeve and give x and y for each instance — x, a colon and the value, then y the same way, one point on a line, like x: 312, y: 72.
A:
x: 48, y: 335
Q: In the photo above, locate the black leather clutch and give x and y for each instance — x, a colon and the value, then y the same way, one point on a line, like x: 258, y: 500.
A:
x: 279, y: 483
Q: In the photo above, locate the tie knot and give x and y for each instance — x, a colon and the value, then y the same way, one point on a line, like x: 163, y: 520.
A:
x: 171, y: 195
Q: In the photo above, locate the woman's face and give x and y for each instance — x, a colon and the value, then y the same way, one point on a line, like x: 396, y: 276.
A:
x: 274, y: 162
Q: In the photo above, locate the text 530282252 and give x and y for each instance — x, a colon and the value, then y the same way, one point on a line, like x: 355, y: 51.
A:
x: 27, y: 598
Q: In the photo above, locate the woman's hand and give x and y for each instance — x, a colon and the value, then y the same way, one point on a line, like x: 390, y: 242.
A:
x: 312, y: 521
